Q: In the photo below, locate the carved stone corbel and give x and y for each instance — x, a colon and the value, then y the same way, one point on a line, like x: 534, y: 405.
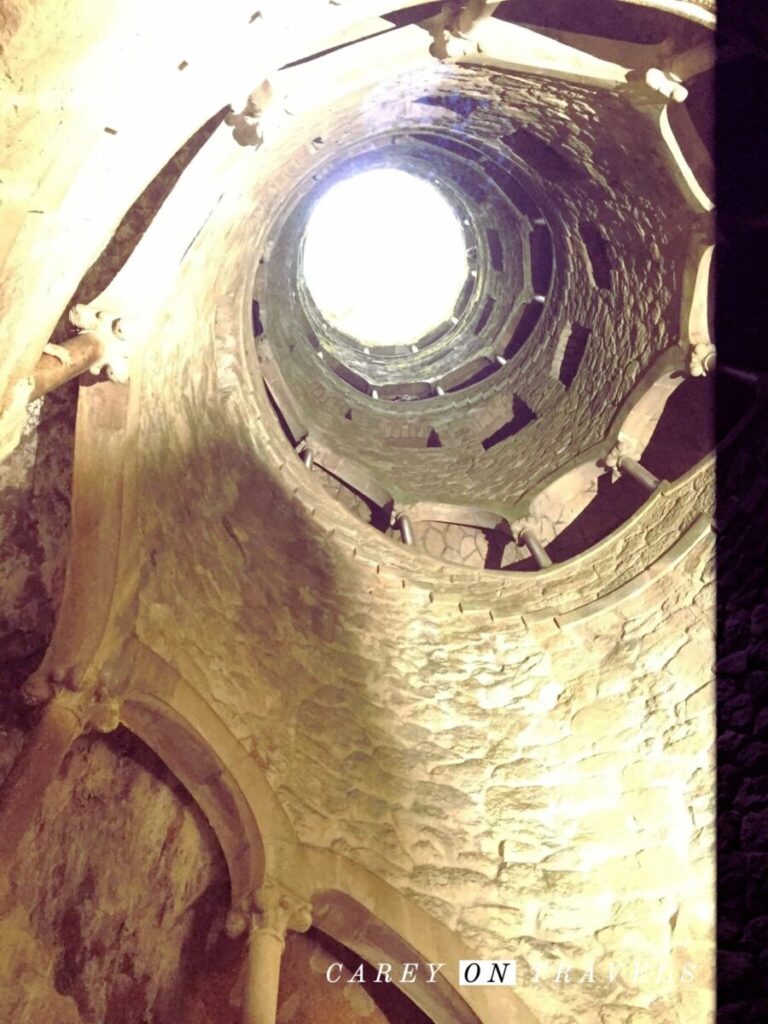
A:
x: 701, y: 359
x: 453, y: 30
x: 625, y: 448
x: 654, y: 88
x: 273, y: 909
x: 104, y: 714
x: 111, y: 333
x: 43, y: 686
x: 248, y: 124
x: 96, y: 709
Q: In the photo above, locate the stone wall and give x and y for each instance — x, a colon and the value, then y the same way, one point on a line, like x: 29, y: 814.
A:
x: 547, y: 796
x: 543, y: 791
x: 630, y: 323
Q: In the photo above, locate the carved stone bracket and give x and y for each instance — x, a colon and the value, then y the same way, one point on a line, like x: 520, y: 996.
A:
x: 104, y: 714
x: 701, y: 359
x: 654, y: 88
x: 273, y: 910
x: 41, y: 687
x: 625, y: 447
x: 111, y: 332
x: 453, y: 29
x: 248, y: 124
x: 520, y: 526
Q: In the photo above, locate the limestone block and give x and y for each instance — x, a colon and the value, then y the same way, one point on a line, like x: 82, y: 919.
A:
x: 656, y: 869
x: 504, y: 804
x: 647, y: 937
x: 562, y: 921
x: 612, y: 827
x: 654, y: 804
x: 608, y: 716
x: 693, y: 661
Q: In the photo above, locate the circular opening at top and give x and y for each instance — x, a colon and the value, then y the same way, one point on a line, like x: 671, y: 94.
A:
x: 384, y: 257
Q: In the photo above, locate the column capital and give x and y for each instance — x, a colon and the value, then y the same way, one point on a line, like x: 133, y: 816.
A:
x: 277, y: 909
x: 273, y: 910
x: 519, y: 526
x: 104, y: 714
x: 95, y: 708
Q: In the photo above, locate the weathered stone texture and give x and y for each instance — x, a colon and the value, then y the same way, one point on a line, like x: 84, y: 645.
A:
x: 461, y: 759
x: 542, y: 787
x: 119, y: 888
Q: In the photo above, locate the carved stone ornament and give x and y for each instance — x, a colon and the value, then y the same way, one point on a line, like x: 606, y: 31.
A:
x: 111, y: 333
x: 701, y: 359
x: 273, y: 910
x: 654, y: 88
x: 625, y: 448
x: 99, y: 710
x: 452, y: 30
x: 41, y: 687
x: 104, y: 715
x: 248, y: 124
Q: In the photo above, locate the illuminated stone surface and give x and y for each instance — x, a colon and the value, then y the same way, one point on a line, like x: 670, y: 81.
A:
x: 524, y: 759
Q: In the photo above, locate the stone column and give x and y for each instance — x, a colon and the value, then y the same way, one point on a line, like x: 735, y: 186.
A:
x: 628, y: 467
x: 275, y: 911
x: 101, y: 343
x: 536, y: 548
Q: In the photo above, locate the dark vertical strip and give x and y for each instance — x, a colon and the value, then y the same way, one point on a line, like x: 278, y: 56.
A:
x: 741, y: 319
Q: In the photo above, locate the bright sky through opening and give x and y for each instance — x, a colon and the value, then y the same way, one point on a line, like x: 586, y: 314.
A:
x: 384, y: 257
